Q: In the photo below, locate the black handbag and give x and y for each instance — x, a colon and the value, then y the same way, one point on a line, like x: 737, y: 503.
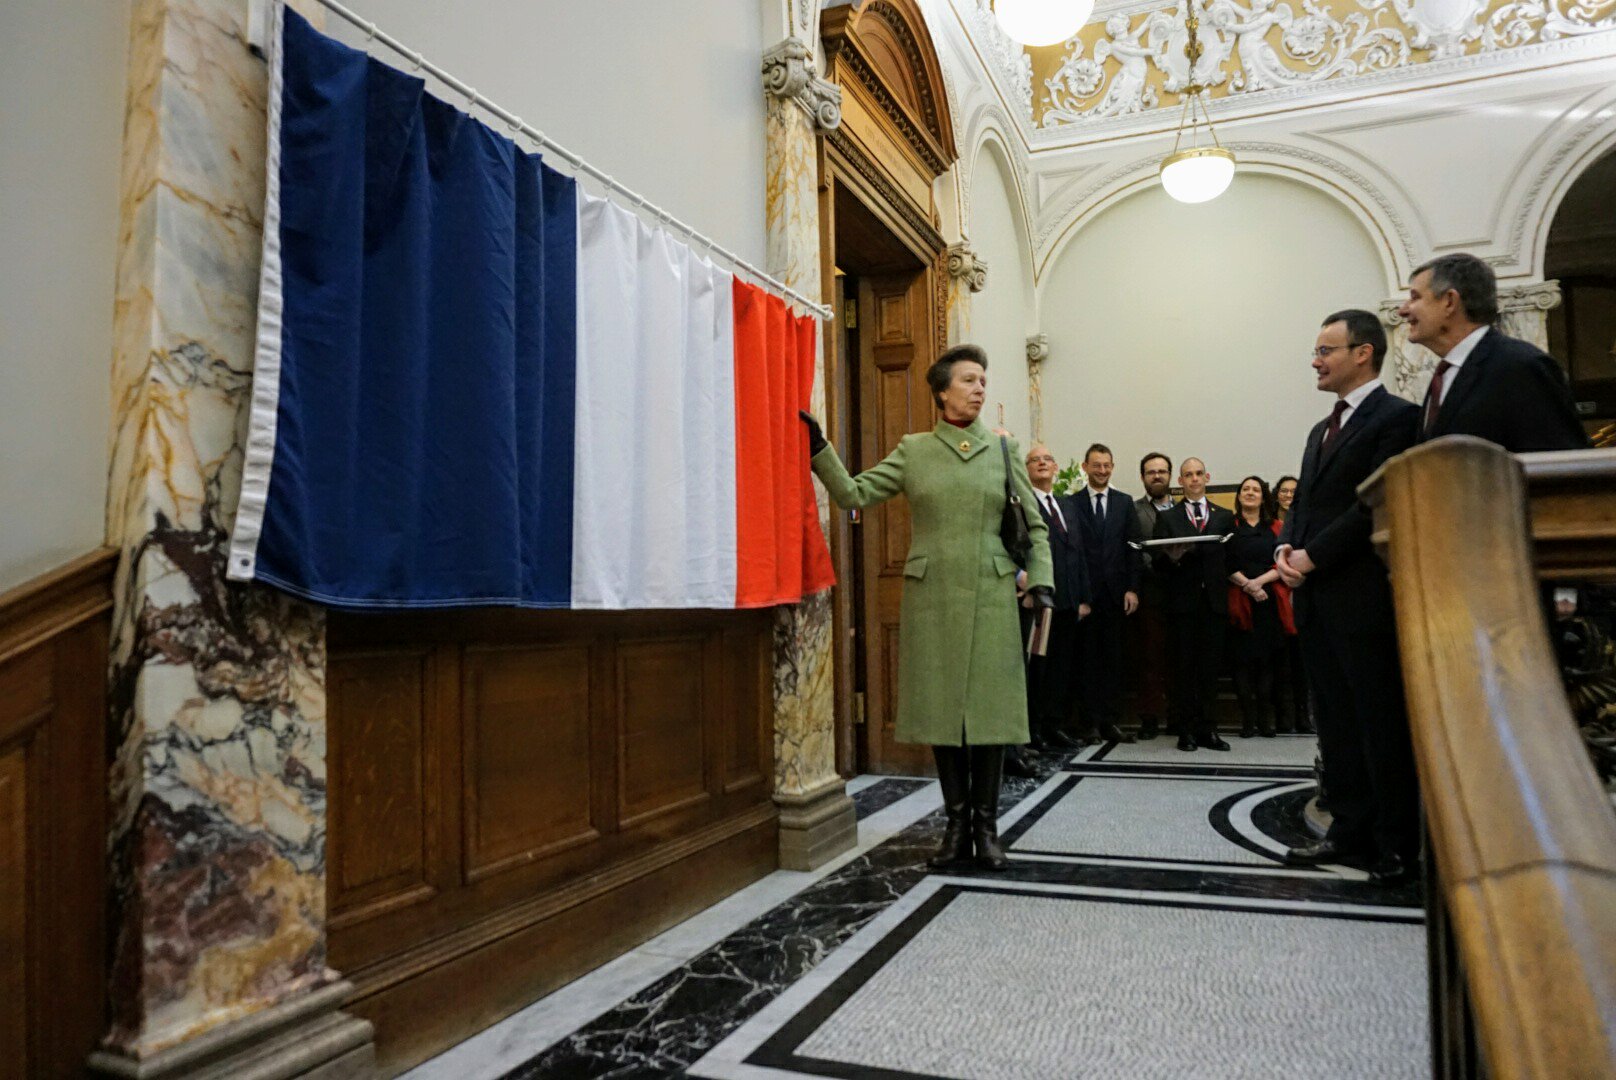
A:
x: 1013, y: 531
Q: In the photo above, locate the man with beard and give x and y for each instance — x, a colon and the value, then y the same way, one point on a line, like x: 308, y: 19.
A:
x: 1049, y: 677
x: 1150, y: 631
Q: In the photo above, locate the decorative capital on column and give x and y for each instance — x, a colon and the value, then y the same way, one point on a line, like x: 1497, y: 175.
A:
x: 1536, y: 296
x: 1037, y: 349
x: 789, y: 73
x: 965, y: 265
x: 1388, y: 312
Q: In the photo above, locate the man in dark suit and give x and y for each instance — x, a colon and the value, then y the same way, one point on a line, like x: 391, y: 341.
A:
x: 1107, y: 526
x: 1195, y: 586
x: 1050, y: 677
x: 1149, y: 642
x: 1489, y: 385
x: 1343, y: 604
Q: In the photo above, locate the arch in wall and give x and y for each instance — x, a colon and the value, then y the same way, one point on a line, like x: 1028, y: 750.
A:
x: 1395, y: 240
x: 1562, y: 162
x: 989, y: 123
x: 992, y: 152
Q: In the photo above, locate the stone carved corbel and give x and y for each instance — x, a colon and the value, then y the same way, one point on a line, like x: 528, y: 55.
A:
x: 967, y: 267
x: 790, y: 74
x: 1037, y: 353
x: 1523, y: 310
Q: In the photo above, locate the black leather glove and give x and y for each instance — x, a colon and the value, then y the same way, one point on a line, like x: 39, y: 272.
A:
x: 1042, y: 596
x: 816, y: 437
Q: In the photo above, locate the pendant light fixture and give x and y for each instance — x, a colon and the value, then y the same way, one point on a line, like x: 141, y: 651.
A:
x: 1042, y: 22
x: 1196, y: 173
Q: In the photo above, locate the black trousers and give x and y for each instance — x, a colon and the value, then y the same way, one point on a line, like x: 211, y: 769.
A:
x: 1049, y: 677
x: 1357, y: 686
x: 1101, y: 637
x: 1195, y: 646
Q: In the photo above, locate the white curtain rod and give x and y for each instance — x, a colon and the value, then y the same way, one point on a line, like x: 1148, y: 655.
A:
x: 516, y: 124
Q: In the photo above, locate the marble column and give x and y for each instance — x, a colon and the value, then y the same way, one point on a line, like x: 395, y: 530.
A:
x: 217, y: 716
x: 1037, y: 353
x: 967, y: 273
x: 817, y: 821
x: 1522, y: 313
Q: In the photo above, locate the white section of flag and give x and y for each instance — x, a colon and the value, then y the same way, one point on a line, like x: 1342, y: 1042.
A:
x: 653, y: 505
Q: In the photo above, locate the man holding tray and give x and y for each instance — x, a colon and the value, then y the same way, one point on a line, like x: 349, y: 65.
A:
x: 1195, y: 584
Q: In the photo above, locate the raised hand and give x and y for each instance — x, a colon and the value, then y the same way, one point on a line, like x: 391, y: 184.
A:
x: 816, y: 436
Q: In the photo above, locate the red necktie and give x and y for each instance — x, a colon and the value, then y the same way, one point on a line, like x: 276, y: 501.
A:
x: 1433, y: 395
x: 1335, y: 423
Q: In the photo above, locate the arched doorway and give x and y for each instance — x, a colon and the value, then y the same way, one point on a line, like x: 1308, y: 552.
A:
x: 1581, y: 255
x: 882, y: 253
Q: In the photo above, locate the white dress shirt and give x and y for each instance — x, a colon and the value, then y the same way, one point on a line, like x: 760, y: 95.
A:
x: 1356, y: 398
x: 1457, y: 356
x: 1094, y: 499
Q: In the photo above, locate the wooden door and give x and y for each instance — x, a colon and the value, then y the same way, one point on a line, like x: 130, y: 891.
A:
x: 895, y: 348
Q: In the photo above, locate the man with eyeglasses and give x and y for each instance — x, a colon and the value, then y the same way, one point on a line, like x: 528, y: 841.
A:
x: 1049, y: 677
x: 1343, y: 604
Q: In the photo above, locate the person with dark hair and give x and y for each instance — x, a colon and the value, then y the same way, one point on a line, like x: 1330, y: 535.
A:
x: 1195, y: 580
x: 1259, y: 606
x: 1291, y: 710
x: 961, y: 683
x: 1343, y: 602
x: 1149, y: 642
x: 1284, y: 495
x: 1487, y: 384
x: 1108, y: 526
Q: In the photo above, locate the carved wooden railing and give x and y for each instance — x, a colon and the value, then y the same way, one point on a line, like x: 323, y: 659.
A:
x: 1521, y: 834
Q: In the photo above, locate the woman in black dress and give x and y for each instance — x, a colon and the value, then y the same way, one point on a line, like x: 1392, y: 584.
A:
x: 1259, y: 606
x: 1291, y: 710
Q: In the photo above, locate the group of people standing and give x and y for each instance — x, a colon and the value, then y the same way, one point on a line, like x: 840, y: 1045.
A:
x: 1300, y: 560
x: 1173, y: 607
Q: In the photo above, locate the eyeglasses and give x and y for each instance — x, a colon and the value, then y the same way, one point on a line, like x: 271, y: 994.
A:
x: 1325, y: 350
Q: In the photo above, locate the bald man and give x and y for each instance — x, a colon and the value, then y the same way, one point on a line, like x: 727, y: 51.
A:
x: 1195, y: 585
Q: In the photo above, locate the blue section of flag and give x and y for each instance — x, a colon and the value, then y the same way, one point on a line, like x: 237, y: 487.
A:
x: 424, y: 444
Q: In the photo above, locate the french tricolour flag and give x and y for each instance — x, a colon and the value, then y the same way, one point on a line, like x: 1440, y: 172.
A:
x: 477, y: 384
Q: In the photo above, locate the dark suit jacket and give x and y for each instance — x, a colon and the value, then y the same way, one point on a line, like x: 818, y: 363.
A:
x: 1113, y: 566
x: 1150, y: 582
x: 1512, y: 393
x: 1329, y: 522
x: 1203, y: 571
x: 1066, y: 551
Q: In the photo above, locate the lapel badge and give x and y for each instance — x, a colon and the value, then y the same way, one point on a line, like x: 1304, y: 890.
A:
x: 965, y: 445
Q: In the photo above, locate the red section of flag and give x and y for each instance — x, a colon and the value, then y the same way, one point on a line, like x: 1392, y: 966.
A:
x: 781, y: 554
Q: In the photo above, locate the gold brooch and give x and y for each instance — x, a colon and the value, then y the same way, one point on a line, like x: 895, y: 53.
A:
x: 965, y: 444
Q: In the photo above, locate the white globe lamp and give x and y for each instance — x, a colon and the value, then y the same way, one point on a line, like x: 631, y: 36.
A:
x: 1042, y: 22
x: 1197, y: 175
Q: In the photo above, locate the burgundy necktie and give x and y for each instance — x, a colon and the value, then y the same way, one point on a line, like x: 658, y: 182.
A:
x: 1433, y: 395
x: 1335, y: 423
x: 1054, y: 514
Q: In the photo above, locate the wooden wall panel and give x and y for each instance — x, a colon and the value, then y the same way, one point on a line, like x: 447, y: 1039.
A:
x: 380, y: 824
x: 661, y: 716
x: 527, y: 781
x: 572, y: 769
x: 53, y: 818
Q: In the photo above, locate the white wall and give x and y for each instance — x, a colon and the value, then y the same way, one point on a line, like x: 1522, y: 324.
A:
x: 666, y: 97
x: 1187, y: 329
x: 1001, y: 314
x: 62, y: 80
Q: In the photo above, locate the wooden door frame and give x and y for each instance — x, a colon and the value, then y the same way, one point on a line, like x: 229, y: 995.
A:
x: 895, y: 140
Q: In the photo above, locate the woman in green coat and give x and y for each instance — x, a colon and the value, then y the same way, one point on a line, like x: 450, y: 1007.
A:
x: 961, y: 679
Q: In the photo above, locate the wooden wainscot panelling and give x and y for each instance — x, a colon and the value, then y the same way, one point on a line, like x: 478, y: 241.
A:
x: 53, y: 818
x: 581, y: 781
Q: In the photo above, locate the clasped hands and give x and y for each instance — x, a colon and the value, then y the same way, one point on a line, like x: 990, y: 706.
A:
x: 1293, y: 564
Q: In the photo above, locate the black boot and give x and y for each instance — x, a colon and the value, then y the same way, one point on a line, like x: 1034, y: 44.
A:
x: 987, y: 773
x: 1016, y: 763
x: 953, y: 775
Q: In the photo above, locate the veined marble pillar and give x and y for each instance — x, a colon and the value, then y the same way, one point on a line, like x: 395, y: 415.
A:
x: 217, y: 718
x: 1522, y: 313
x: 967, y: 273
x: 817, y: 821
x: 1037, y: 353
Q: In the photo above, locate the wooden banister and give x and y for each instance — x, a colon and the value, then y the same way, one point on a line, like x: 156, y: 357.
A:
x: 1521, y: 830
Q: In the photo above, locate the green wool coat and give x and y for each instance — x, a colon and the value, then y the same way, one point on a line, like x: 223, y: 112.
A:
x: 960, y: 653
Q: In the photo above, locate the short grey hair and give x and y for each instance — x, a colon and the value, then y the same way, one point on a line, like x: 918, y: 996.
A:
x: 1468, y: 276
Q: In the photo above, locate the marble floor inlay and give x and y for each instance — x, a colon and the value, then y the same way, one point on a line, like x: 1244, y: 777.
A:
x: 1146, y: 909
